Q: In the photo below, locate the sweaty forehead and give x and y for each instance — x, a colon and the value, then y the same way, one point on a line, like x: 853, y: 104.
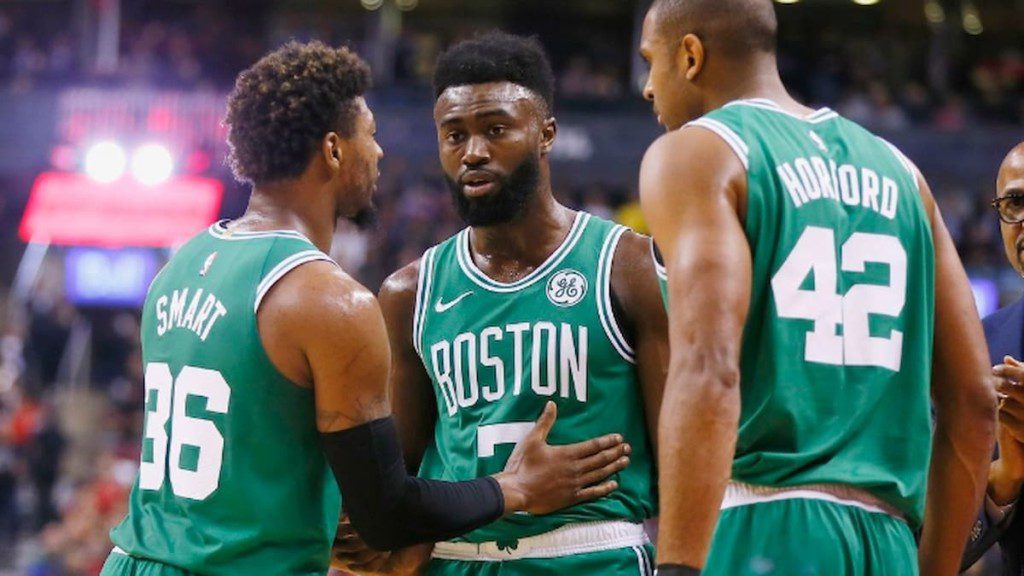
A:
x: 472, y: 99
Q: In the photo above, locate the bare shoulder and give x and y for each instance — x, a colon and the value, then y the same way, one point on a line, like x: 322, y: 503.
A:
x: 666, y: 148
x: 633, y: 252
x: 401, y: 285
x: 633, y: 277
x: 319, y: 296
x: 314, y: 314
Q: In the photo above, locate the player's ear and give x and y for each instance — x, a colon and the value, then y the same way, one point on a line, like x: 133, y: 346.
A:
x: 331, y: 150
x: 547, y: 135
x: 690, y: 56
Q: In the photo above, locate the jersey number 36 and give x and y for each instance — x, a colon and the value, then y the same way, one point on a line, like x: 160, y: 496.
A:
x: 186, y: 431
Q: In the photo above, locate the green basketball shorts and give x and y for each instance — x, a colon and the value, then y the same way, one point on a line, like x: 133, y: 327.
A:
x: 838, y: 531
x: 590, y: 548
x: 121, y: 564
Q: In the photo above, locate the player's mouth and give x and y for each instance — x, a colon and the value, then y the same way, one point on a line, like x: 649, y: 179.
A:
x: 478, y: 183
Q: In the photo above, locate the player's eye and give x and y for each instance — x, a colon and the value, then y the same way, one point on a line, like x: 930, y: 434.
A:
x: 453, y: 137
x: 496, y: 130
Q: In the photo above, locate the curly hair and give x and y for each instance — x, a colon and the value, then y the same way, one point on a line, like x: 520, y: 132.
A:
x: 284, y: 104
x: 496, y: 57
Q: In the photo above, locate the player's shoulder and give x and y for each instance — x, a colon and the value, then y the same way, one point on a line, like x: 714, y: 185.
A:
x: 690, y: 160
x: 402, y: 283
x: 633, y: 261
x: 633, y: 248
x: 320, y: 292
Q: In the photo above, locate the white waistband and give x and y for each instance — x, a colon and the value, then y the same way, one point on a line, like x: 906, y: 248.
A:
x: 740, y: 494
x: 581, y: 538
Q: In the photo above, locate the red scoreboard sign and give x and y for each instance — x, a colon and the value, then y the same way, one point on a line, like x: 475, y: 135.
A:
x: 73, y: 210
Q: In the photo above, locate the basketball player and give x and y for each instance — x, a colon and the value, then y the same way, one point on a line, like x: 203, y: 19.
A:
x: 265, y: 363
x: 532, y: 302
x: 815, y: 299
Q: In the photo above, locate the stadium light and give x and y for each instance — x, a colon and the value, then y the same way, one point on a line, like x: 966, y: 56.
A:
x: 934, y: 12
x: 105, y: 162
x: 372, y: 4
x: 971, y: 19
x: 152, y: 164
x: 787, y: 1
x: 866, y: 2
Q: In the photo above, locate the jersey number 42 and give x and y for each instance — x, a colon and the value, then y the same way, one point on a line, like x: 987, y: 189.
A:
x: 815, y: 254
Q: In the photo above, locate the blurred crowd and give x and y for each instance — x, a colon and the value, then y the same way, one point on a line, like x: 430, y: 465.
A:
x: 886, y: 81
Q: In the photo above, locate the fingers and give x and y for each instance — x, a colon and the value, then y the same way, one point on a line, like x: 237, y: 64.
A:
x: 592, y: 446
x: 1013, y: 362
x: 349, y: 545
x: 617, y: 465
x: 604, y: 457
x: 1014, y: 372
x: 546, y: 421
x: 1010, y: 389
x: 594, y: 492
x: 363, y: 560
x: 1011, y: 417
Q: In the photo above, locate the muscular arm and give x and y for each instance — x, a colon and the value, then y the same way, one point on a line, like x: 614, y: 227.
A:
x: 965, y: 409
x: 691, y: 186
x: 321, y: 328
x: 412, y: 394
x: 635, y: 286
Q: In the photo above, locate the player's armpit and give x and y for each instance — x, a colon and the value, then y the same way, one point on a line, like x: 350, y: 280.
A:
x: 692, y: 191
x: 412, y: 394
x: 635, y: 286
x: 965, y: 406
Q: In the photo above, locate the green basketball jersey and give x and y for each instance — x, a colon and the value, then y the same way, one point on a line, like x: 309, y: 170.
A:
x: 496, y: 352
x: 837, y: 349
x: 232, y: 480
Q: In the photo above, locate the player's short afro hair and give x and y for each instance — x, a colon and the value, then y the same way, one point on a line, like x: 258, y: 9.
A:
x: 284, y: 104
x: 497, y: 57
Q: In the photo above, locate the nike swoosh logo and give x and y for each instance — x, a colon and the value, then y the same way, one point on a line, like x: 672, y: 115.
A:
x: 442, y: 306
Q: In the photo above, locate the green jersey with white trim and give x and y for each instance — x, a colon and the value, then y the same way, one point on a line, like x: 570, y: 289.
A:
x: 837, y: 348
x: 232, y: 480
x: 496, y: 352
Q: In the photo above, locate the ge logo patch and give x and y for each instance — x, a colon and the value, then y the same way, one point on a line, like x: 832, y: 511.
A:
x: 566, y: 288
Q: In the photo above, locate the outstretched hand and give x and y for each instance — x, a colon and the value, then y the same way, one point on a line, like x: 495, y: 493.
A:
x: 540, y: 478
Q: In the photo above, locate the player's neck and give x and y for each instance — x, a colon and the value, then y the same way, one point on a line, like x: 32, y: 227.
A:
x: 755, y: 80
x: 271, y: 208
x: 526, y: 241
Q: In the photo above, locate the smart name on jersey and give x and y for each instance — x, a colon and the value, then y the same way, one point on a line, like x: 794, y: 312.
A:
x: 171, y: 312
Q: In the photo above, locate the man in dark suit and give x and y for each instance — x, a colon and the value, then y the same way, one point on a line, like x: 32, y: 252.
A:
x: 1004, y: 330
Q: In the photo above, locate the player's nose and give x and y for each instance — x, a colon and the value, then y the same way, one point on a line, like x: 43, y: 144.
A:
x: 648, y: 91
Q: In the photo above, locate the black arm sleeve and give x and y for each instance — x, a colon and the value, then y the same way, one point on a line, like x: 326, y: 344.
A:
x: 391, y: 509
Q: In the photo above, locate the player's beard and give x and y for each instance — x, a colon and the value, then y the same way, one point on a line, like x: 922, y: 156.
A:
x: 514, y: 192
x: 365, y: 219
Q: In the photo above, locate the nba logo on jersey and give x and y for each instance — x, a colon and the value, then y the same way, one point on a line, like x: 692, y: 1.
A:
x: 566, y: 288
x: 818, y: 141
x: 208, y: 263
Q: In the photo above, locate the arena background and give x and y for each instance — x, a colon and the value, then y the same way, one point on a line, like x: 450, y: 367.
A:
x: 111, y: 152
